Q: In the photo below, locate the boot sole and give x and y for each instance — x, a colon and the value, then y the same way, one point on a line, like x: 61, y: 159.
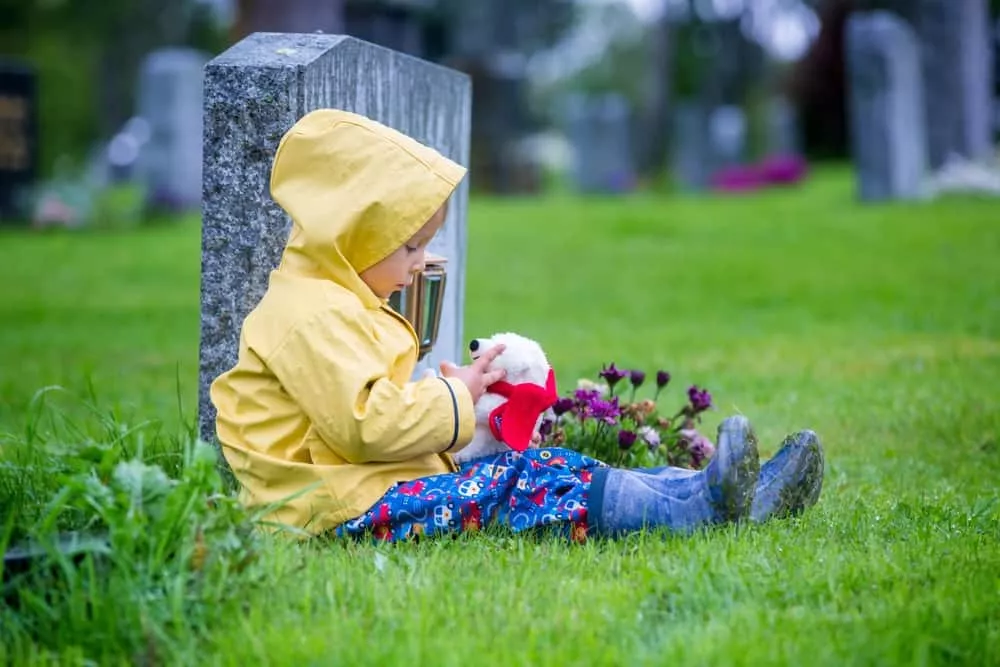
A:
x: 737, y: 442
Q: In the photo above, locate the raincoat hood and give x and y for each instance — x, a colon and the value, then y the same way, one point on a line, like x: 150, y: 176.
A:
x: 355, y: 190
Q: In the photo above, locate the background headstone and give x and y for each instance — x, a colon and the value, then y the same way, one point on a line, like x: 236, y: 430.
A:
x: 727, y: 130
x: 783, y: 135
x: 18, y: 138
x: 171, y: 101
x: 599, y: 131
x: 958, y: 78
x: 691, y: 156
x: 254, y: 92
x: 886, y: 100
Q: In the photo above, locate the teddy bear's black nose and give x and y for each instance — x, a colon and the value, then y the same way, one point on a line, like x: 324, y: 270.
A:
x: 474, y: 345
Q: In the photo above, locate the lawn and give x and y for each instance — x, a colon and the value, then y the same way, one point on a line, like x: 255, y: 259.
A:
x: 876, y: 326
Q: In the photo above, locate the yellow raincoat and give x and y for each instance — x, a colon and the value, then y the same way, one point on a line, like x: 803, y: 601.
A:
x: 321, y: 396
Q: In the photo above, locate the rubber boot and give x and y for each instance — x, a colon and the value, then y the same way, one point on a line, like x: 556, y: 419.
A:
x: 624, y: 501
x: 789, y: 483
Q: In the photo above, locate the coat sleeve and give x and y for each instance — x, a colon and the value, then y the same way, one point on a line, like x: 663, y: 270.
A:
x: 333, y: 370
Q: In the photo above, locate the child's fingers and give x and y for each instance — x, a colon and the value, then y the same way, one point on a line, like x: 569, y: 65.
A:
x: 493, y: 376
x: 488, y: 356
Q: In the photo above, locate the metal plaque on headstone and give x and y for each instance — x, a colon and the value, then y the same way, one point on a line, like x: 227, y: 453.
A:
x: 254, y: 92
x: 18, y: 138
x: 886, y: 107
x: 170, y: 100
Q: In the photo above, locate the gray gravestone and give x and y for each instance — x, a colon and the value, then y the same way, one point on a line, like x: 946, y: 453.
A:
x: 727, y: 131
x: 886, y: 106
x: 599, y: 130
x: 691, y: 159
x: 958, y: 78
x: 783, y: 136
x: 706, y: 139
x: 254, y: 92
x: 171, y: 101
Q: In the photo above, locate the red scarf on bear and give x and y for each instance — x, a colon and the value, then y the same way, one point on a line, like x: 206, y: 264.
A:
x: 513, y: 422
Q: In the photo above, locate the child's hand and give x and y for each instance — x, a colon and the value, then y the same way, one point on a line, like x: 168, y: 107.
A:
x: 476, y: 376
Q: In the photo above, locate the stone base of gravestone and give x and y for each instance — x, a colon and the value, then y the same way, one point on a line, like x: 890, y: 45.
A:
x: 254, y: 92
x: 599, y: 131
x: 171, y: 101
x: 886, y: 107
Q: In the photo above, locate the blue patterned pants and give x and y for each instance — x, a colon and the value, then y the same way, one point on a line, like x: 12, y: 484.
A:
x: 533, y: 489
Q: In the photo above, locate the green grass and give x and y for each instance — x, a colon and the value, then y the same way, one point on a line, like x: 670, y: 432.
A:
x: 878, y: 327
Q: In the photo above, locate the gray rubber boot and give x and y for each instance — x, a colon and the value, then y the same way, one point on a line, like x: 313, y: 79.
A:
x: 792, y: 480
x: 624, y: 501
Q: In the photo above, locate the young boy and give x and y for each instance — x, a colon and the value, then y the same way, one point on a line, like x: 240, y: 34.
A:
x: 320, y: 416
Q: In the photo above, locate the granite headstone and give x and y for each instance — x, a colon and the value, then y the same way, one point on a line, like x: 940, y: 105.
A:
x: 254, y: 92
x: 886, y: 107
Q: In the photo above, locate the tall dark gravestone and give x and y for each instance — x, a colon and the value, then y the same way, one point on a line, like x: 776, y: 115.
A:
x: 18, y: 137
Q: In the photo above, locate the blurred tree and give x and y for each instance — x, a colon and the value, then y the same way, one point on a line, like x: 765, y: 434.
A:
x: 817, y: 85
x: 659, y: 86
x: 287, y: 16
x: 493, y: 41
x: 87, y: 57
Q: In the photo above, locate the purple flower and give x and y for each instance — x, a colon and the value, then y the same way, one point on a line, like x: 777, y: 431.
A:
x: 626, y: 439
x: 650, y: 435
x: 700, y: 447
x: 700, y: 399
x: 545, y: 430
x: 662, y: 379
x: 562, y: 406
x: 585, y: 397
x: 612, y: 375
x: 605, y: 411
x: 637, y: 378
x: 783, y: 169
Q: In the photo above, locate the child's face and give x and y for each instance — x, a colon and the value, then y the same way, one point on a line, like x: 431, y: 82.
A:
x: 396, y: 271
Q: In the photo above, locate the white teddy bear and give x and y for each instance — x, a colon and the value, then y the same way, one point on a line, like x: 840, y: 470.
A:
x: 510, y: 413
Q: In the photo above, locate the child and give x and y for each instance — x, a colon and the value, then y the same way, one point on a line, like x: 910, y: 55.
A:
x: 320, y: 418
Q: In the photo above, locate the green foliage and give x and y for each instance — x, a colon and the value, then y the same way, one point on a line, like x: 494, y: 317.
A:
x: 150, y: 545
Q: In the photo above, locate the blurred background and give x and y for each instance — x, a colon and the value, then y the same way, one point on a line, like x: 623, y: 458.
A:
x: 100, y: 101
